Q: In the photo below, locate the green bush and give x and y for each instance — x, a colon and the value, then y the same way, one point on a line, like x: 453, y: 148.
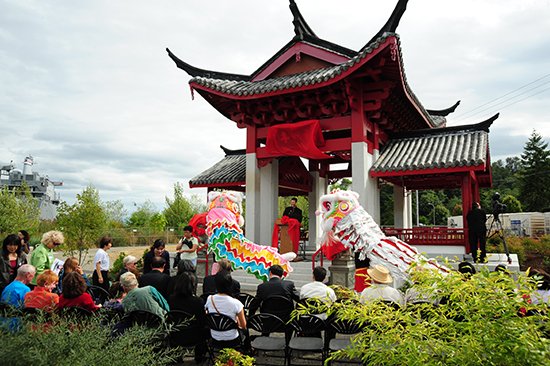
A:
x: 72, y: 342
x: 480, y: 323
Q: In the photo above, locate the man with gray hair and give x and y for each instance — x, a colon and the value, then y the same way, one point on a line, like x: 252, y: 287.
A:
x: 145, y: 298
x: 14, y: 293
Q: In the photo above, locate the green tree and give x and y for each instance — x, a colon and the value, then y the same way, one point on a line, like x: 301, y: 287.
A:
x: 178, y: 209
x: 157, y: 222
x: 512, y: 203
x: 342, y: 184
x: 535, y: 174
x: 142, y: 216
x: 18, y: 210
x: 83, y: 222
x: 116, y: 213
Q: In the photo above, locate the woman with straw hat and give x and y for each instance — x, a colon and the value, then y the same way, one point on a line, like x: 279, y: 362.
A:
x: 381, y: 289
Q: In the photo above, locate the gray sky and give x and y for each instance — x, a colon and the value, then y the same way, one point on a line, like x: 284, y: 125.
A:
x: 87, y: 88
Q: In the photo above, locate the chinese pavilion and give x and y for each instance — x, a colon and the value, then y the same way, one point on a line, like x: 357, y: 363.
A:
x: 331, y: 105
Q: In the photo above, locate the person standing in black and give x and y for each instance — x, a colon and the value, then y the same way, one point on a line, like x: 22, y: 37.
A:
x: 477, y: 231
x: 292, y: 211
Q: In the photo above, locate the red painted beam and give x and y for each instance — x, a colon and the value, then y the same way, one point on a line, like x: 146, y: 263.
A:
x: 400, y: 173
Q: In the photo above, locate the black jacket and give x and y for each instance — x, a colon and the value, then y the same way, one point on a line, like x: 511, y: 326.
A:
x: 209, y: 286
x: 158, y: 280
x: 274, y: 287
x: 293, y: 213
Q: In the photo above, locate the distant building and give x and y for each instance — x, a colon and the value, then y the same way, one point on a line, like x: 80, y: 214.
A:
x: 41, y: 187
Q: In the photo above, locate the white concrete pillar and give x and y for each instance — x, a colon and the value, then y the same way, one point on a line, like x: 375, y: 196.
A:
x: 399, y: 207
x: 269, y: 193
x: 408, y: 210
x: 319, y: 189
x: 252, y: 223
x: 362, y: 183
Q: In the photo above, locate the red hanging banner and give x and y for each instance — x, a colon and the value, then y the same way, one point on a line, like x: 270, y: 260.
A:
x: 296, y: 139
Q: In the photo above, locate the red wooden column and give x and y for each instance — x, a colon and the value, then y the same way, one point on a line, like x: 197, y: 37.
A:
x: 466, y: 206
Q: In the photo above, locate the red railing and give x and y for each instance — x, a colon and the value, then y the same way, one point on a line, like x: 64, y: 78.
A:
x: 429, y: 235
x: 315, y: 256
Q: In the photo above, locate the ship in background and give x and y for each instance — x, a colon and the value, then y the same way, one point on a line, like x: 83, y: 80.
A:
x: 41, y: 187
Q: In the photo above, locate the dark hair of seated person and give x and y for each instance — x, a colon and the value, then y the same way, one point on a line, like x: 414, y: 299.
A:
x: 223, y: 282
x: 185, y: 265
x: 158, y: 263
x: 73, y: 285
x: 184, y: 285
x: 277, y: 270
x: 319, y: 273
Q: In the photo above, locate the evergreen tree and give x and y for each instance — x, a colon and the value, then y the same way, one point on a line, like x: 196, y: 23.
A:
x: 535, y: 174
x: 178, y: 210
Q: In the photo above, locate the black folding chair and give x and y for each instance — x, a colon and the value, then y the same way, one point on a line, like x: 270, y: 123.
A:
x: 306, y: 336
x: 280, y: 306
x: 35, y: 314
x: 143, y: 318
x: 339, y: 326
x: 185, y: 331
x: 268, y: 324
x: 75, y: 312
x: 98, y: 294
x: 221, y: 323
x: 246, y: 300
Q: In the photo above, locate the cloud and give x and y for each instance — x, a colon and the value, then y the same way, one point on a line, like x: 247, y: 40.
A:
x: 88, y: 89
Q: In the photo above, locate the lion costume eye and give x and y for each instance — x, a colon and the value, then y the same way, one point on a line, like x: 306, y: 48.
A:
x: 344, y: 206
x: 327, y: 206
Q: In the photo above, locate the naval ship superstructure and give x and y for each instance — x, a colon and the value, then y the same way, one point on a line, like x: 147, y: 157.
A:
x: 41, y: 187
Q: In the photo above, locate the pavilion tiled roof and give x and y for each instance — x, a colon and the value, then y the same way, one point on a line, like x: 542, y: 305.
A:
x: 231, y: 169
x: 449, y: 147
x: 312, y: 77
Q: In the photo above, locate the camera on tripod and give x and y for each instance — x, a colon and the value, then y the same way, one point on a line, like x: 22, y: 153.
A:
x: 498, y: 207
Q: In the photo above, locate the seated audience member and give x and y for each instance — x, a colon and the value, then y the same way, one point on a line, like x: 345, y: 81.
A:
x: 157, y: 250
x: 74, y: 293
x: 156, y: 278
x: 184, y: 299
x: 380, y: 288
x: 144, y: 298
x: 11, y: 259
x: 42, y: 256
x: 70, y: 265
x: 209, y: 285
x: 14, y: 293
x: 276, y: 286
x: 223, y: 303
x: 128, y: 265
x: 186, y: 266
x: 317, y: 289
x: 41, y: 297
x: 25, y: 239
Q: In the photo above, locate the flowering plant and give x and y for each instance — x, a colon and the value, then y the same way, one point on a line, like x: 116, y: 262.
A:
x: 232, y: 357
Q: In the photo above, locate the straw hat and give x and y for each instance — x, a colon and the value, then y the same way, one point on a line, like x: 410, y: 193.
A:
x: 380, y: 274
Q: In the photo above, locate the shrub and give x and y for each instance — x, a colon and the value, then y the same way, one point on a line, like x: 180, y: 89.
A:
x: 480, y: 323
x: 72, y: 342
x: 232, y: 357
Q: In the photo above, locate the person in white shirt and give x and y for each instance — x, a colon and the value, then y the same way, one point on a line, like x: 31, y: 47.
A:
x: 188, y: 245
x: 223, y: 303
x: 317, y: 289
x: 380, y: 288
x: 102, y: 263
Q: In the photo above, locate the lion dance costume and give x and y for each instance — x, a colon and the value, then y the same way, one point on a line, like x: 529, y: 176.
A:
x: 226, y: 239
x: 346, y: 225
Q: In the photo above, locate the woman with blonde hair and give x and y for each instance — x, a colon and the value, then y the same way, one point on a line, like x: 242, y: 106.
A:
x: 42, y: 257
x: 41, y: 297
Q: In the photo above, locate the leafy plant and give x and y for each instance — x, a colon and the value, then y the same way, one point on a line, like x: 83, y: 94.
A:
x: 18, y: 210
x: 69, y: 341
x: 480, y: 321
x: 232, y: 357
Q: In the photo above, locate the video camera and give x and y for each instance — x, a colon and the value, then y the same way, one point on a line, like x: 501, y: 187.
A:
x: 498, y: 207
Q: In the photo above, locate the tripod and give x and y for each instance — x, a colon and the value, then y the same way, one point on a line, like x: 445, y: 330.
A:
x: 499, y: 232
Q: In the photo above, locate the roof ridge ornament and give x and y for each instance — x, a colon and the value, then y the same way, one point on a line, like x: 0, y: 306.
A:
x: 301, y: 29
x: 443, y: 112
x: 392, y: 23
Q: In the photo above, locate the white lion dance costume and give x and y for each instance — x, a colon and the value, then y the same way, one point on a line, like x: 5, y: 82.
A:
x: 346, y: 225
x: 226, y: 239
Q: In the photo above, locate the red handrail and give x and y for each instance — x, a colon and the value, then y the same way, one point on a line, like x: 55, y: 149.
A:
x: 435, y: 235
x: 320, y: 259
